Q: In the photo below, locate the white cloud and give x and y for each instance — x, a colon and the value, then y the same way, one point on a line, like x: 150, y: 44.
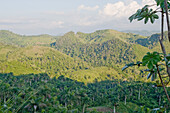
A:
x: 82, y: 7
x: 122, y: 9
x: 148, y: 2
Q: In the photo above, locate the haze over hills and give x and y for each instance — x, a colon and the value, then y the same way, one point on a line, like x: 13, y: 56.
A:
x: 141, y: 32
x: 83, y: 56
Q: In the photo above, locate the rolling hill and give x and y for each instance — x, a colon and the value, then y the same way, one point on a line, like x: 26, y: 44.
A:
x: 11, y: 38
x: 36, y: 59
x: 40, y: 59
x: 101, y: 48
x: 85, y: 57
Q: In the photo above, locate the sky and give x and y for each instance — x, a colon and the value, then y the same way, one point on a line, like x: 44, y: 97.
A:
x: 55, y: 17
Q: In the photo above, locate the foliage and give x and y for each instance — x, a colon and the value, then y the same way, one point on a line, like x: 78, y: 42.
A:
x: 151, y: 60
x: 39, y: 93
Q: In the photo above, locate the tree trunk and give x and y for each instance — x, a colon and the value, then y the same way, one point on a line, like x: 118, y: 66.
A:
x: 30, y: 82
x: 163, y: 83
x: 139, y: 94
x: 84, y: 106
x: 159, y: 100
x: 125, y: 99
x: 167, y: 18
x: 161, y: 43
x: 65, y: 104
x: 114, y: 111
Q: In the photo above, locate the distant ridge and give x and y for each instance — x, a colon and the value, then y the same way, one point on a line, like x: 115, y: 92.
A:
x: 141, y: 32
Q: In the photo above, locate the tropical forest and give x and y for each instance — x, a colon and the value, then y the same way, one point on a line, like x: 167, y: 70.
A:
x: 102, y: 71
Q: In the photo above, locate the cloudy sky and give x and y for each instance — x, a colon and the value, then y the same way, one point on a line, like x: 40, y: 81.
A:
x: 32, y: 17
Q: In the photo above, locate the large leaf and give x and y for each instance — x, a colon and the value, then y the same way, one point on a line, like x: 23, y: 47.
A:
x: 151, y: 59
x: 153, y: 76
x: 149, y: 75
x: 128, y: 65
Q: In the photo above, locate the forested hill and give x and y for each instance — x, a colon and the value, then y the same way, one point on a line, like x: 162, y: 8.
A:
x: 11, y: 38
x: 101, y: 48
x: 36, y: 59
x: 152, y: 42
x: 85, y: 57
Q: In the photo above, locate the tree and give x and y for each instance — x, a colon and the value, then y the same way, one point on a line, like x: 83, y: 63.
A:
x: 154, y: 60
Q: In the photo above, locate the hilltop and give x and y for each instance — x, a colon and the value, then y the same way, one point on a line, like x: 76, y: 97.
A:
x: 11, y: 38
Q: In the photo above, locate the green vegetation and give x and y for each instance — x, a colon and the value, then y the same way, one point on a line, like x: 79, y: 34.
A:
x: 8, y: 37
x: 101, y: 48
x: 37, y: 59
x: 155, y: 62
x: 41, y: 94
x: 82, y: 72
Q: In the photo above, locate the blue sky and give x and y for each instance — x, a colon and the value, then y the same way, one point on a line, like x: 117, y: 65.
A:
x: 32, y: 17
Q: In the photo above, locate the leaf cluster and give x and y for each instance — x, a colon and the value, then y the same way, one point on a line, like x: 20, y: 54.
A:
x: 146, y: 14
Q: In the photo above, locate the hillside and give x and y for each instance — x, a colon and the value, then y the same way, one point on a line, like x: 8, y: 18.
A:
x: 83, y: 57
x: 101, y: 36
x: 152, y: 42
x: 39, y: 59
x: 101, y: 48
x: 36, y: 59
x: 21, y: 40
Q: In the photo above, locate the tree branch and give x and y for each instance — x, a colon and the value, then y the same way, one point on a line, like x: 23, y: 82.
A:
x: 162, y: 83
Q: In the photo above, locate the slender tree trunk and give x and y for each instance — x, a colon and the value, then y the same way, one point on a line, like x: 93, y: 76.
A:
x: 139, y: 94
x: 114, y: 111
x: 167, y: 18
x: 30, y: 82
x: 163, y: 84
x: 125, y: 99
x: 84, y: 106
x: 159, y: 100
x: 118, y: 97
x: 161, y: 43
x: 65, y: 104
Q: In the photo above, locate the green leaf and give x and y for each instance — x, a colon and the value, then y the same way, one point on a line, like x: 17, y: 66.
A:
x: 168, y: 57
x: 153, y: 77
x: 145, y: 7
x: 140, y: 18
x: 131, y: 17
x: 150, y: 65
x: 128, y: 65
x: 145, y: 60
x: 146, y: 20
x: 149, y: 75
x: 155, y: 16
x: 152, y: 19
